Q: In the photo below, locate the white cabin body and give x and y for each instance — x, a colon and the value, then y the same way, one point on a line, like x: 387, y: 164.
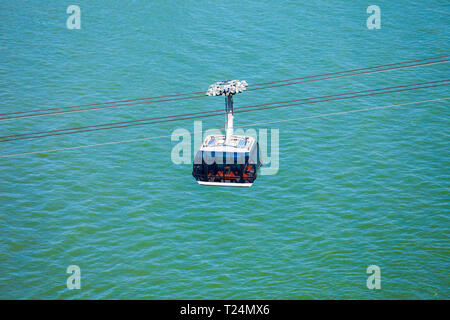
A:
x: 227, y: 160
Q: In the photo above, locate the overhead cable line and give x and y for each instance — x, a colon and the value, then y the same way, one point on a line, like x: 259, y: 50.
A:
x: 200, y: 92
x: 351, y: 74
x: 243, y: 126
x: 352, y: 70
x: 217, y: 114
x: 100, y: 106
x: 219, y: 111
x: 109, y: 102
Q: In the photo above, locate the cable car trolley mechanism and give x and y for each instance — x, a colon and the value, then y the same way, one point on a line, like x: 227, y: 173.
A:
x: 227, y: 160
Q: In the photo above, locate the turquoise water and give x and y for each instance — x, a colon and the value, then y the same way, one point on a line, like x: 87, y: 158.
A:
x: 352, y: 190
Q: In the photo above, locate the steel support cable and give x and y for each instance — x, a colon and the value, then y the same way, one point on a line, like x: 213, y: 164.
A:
x: 243, y: 126
x: 90, y: 109
x: 217, y: 114
x: 109, y: 102
x: 200, y: 92
x: 219, y: 111
x: 347, y: 71
x: 39, y: 113
x: 351, y: 74
x: 351, y: 97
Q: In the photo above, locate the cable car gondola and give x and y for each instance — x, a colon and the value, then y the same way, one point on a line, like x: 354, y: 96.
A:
x: 227, y: 160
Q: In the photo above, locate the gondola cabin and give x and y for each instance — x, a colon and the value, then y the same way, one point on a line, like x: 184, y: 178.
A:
x: 232, y: 163
x: 227, y: 160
